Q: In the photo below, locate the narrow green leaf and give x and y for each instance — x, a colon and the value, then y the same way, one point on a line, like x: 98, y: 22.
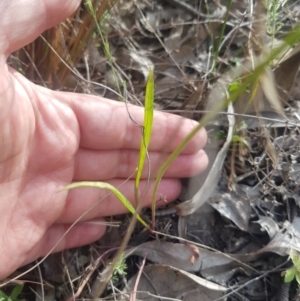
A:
x: 234, y: 86
x: 290, y: 274
x: 296, y: 261
x: 295, y: 258
x: 241, y: 126
x: 236, y: 138
x: 147, y: 129
x: 297, y: 276
x: 243, y: 140
x: 114, y: 190
x: 3, y: 296
x: 16, y: 292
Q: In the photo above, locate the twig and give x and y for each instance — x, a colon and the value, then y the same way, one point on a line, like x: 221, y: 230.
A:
x: 138, y: 278
x: 42, y: 284
x: 88, y: 276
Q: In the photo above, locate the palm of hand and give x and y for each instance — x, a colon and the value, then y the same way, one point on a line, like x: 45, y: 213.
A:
x: 50, y: 139
x: 40, y: 138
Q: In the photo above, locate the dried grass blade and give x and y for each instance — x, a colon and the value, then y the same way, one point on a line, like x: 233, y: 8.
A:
x: 269, y: 88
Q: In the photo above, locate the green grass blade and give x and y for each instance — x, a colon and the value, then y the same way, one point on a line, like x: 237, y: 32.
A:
x: 114, y: 190
x: 147, y: 129
x: 16, y: 292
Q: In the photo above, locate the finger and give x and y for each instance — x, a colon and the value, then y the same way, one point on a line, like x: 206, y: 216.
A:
x: 59, y: 237
x: 99, y: 202
x: 104, y: 124
x: 23, y: 21
x: 91, y: 165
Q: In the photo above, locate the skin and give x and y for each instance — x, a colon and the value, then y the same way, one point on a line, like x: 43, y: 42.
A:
x: 49, y: 139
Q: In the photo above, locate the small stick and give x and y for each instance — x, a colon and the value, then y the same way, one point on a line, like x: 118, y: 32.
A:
x: 138, y: 278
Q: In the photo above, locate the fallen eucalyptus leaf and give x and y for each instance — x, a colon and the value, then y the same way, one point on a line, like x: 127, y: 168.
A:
x: 234, y: 205
x: 217, y: 267
x: 160, y: 282
x: 286, y: 72
x: 283, y: 242
x: 211, y: 181
x: 269, y: 225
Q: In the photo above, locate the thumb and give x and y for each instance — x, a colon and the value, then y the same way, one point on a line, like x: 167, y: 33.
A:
x: 22, y: 21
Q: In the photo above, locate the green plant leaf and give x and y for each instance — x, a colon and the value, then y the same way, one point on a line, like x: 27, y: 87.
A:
x: 147, y: 129
x: 295, y: 258
x: 3, y: 296
x: 241, y: 126
x: 296, y: 261
x: 243, y: 140
x: 290, y: 274
x: 234, y: 86
x: 236, y: 138
x: 16, y: 292
x: 219, y: 135
x: 114, y: 190
x: 297, y: 277
x: 121, y: 266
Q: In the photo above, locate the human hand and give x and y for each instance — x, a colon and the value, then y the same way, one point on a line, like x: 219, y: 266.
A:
x: 49, y: 139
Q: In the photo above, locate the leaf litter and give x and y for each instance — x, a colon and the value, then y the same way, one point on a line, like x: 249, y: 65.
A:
x: 239, y: 220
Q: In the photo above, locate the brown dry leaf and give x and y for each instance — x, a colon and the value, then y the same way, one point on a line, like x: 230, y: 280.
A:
x: 286, y: 73
x: 193, y: 100
x: 172, y: 42
x: 218, y: 267
x: 268, y: 85
x: 168, y: 282
x: 233, y: 204
x: 269, y: 147
x: 173, y: 254
x: 288, y: 238
x: 212, y: 179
